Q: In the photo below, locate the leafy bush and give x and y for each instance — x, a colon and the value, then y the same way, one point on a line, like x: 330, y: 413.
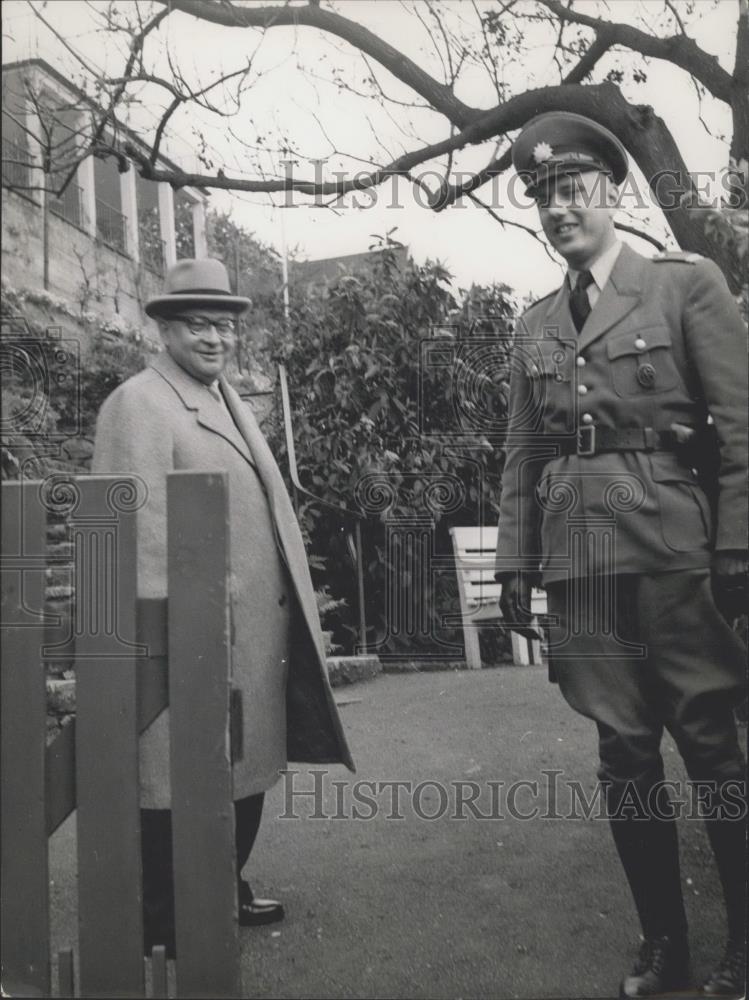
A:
x: 374, y: 426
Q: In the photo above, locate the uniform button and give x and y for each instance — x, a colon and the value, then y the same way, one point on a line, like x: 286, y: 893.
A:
x: 580, y: 362
x: 640, y: 344
x: 587, y: 418
x: 581, y: 390
x: 282, y: 600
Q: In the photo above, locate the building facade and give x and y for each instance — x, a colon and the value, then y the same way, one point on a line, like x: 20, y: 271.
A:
x: 103, y: 243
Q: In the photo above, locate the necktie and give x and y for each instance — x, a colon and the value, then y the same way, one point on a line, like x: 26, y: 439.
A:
x: 579, y: 301
x: 218, y: 395
x: 215, y: 392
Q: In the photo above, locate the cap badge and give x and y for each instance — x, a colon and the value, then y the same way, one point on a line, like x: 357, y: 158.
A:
x: 542, y: 151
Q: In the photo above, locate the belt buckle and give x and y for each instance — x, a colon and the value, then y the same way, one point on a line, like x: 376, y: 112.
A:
x: 586, y: 445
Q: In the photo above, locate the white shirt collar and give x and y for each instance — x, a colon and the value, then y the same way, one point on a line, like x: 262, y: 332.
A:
x: 601, y: 268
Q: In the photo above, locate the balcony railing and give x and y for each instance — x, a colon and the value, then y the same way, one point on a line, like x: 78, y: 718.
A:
x: 17, y: 163
x: 111, y: 226
x: 69, y: 205
x: 152, y: 252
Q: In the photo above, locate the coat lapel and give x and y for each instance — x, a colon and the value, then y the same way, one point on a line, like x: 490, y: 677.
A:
x: 284, y: 518
x: 621, y: 293
x: 197, y: 397
x: 245, y: 435
x: 262, y: 457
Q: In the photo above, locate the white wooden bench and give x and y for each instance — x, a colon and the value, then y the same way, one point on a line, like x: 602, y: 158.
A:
x: 479, y: 594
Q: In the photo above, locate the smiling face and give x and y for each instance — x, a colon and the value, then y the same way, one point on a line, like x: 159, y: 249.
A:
x: 577, y: 214
x: 201, y: 341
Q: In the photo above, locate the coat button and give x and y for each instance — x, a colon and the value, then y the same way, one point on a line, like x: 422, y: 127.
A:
x: 580, y: 361
x: 587, y: 418
x: 581, y: 390
x: 640, y: 344
x: 282, y: 600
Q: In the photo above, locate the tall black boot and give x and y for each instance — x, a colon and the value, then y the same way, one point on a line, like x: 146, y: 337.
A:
x: 649, y: 852
x: 728, y: 841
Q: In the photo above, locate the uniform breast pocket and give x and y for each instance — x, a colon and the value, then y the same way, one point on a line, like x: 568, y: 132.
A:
x: 642, y: 362
x: 551, y: 363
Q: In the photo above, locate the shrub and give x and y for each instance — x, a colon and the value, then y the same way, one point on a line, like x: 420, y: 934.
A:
x: 375, y: 430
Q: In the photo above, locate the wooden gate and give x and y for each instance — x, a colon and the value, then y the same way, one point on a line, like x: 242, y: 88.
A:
x: 122, y: 683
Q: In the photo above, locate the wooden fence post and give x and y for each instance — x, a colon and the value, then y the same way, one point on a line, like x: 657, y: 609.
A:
x: 23, y: 834
x: 199, y: 698
x: 107, y: 785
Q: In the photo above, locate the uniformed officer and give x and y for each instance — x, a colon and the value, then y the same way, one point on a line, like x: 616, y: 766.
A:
x: 614, y: 376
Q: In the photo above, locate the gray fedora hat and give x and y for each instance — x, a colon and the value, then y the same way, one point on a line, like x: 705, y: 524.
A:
x: 196, y: 283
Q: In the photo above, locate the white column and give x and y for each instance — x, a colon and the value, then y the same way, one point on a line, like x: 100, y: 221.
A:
x: 198, y: 229
x: 166, y: 221
x: 37, y: 177
x: 129, y: 202
x: 27, y: 112
x: 23, y: 106
x: 31, y: 120
x: 88, y: 194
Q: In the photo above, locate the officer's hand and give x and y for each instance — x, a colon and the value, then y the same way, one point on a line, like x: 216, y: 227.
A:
x: 729, y: 581
x: 515, y: 602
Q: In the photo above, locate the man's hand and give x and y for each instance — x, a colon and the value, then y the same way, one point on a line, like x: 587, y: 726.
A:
x: 730, y: 570
x: 515, y: 602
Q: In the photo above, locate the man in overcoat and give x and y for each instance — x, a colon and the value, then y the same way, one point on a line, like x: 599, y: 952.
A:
x: 181, y: 413
x: 617, y: 378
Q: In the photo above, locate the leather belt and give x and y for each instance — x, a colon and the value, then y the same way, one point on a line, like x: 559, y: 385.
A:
x: 592, y: 440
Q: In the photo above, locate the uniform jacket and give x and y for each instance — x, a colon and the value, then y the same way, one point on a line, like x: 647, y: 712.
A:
x: 161, y: 420
x: 663, y: 344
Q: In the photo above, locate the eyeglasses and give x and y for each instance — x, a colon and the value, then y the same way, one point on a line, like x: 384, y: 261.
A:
x: 225, y: 328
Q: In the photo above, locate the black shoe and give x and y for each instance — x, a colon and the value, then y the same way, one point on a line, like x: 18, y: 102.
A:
x: 728, y: 978
x: 256, y: 912
x: 662, y: 968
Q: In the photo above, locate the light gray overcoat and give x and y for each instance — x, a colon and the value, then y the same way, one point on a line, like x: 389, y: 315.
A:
x: 160, y: 420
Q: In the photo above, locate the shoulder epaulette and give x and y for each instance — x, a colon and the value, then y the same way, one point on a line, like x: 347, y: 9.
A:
x: 679, y: 256
x: 538, y: 302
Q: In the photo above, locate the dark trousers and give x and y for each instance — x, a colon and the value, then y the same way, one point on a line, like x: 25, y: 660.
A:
x: 158, y: 874
x: 687, y: 676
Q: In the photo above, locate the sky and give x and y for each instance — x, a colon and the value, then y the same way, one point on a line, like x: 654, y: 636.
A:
x: 323, y: 122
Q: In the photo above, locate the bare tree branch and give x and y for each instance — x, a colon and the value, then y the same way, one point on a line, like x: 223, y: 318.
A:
x: 160, y: 128
x: 644, y: 134
x: 437, y: 94
x: 486, y: 61
x: 107, y: 116
x: 676, y: 16
x: 509, y: 222
x: 680, y: 50
x: 599, y: 47
x: 624, y: 228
